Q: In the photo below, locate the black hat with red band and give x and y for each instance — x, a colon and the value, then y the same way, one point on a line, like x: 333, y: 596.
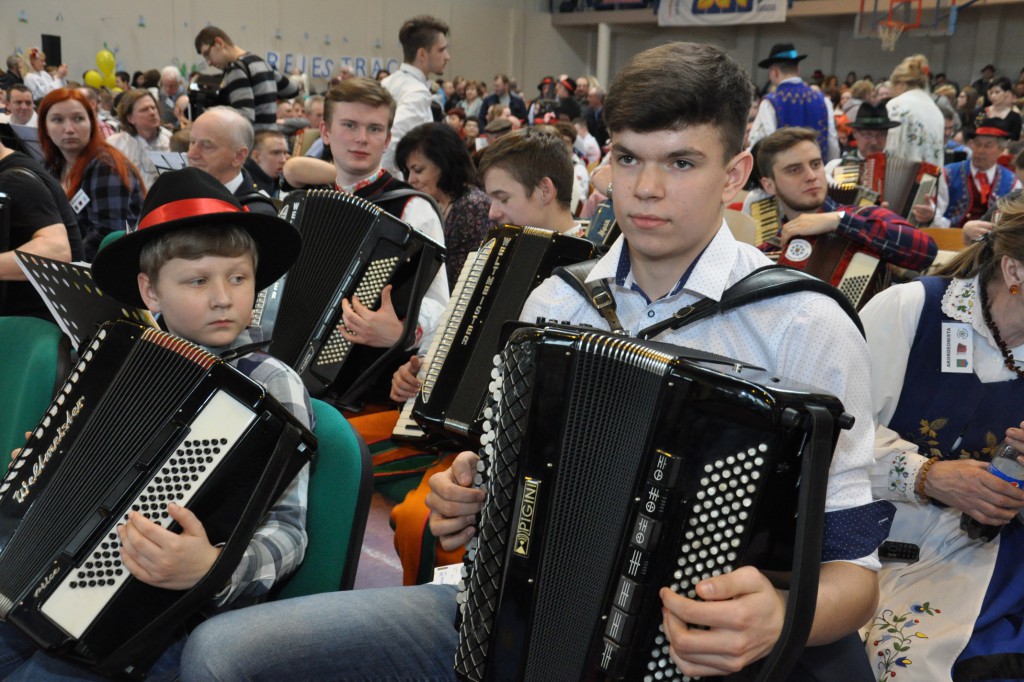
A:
x: 193, y: 198
x: 992, y: 127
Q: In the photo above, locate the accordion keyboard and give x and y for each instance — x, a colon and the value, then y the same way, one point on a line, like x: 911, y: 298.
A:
x: 85, y: 592
x: 337, y: 347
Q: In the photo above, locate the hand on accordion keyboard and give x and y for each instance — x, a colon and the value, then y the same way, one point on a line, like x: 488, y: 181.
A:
x: 379, y: 328
x: 404, y: 384
x: 743, y: 616
x: 454, y: 503
x: 924, y: 214
x: 159, y: 557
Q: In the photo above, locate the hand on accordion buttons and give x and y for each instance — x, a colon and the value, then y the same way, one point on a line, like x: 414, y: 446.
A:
x: 743, y: 612
x: 924, y: 214
x: 453, y: 503
x: 404, y: 384
x: 379, y: 328
x: 159, y: 557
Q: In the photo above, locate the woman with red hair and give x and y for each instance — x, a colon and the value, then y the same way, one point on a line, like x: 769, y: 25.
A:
x: 104, y: 188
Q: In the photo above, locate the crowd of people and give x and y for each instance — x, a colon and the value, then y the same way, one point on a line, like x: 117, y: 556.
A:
x: 453, y: 158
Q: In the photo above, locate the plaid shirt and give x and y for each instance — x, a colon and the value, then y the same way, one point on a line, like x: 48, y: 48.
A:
x: 894, y: 239
x: 279, y: 545
x: 112, y: 205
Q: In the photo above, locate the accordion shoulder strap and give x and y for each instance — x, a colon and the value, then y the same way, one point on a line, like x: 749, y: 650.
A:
x: 764, y: 283
x: 408, y: 192
x: 597, y: 292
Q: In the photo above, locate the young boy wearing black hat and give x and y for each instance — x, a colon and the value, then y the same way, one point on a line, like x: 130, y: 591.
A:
x: 198, y: 258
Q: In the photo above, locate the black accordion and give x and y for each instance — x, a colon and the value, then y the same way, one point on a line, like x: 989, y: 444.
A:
x: 492, y: 288
x: 350, y: 247
x: 144, y: 419
x: 614, y: 467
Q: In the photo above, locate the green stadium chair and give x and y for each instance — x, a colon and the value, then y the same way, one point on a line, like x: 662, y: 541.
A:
x: 339, y: 502
x: 34, y: 362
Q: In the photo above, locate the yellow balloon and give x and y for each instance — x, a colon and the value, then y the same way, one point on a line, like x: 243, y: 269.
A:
x: 109, y: 80
x: 93, y: 79
x: 116, y: 90
x: 105, y: 61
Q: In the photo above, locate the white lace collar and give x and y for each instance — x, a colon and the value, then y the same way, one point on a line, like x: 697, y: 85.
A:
x: 962, y: 303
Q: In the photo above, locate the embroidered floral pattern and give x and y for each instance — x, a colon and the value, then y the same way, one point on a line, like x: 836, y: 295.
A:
x: 927, y: 441
x: 899, y: 477
x: 896, y: 633
x: 928, y: 432
x: 961, y: 299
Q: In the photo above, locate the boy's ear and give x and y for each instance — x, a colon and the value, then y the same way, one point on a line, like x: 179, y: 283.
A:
x: 768, y: 185
x: 737, y: 172
x: 325, y: 132
x: 547, y: 190
x: 148, y: 293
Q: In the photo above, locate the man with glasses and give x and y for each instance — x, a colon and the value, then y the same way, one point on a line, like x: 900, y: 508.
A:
x: 249, y: 85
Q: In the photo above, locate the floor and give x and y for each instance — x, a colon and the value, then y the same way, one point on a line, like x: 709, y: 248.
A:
x: 378, y: 562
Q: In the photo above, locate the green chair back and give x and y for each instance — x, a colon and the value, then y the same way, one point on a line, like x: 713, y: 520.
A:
x: 109, y: 238
x: 339, y: 502
x: 34, y: 358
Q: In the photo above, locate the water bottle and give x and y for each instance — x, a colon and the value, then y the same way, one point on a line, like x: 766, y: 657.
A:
x: 1004, y: 464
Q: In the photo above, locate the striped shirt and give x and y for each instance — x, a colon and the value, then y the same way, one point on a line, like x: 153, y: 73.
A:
x: 251, y: 87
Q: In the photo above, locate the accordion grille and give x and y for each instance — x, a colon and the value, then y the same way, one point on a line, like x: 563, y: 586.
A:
x: 595, y: 426
x: 599, y: 458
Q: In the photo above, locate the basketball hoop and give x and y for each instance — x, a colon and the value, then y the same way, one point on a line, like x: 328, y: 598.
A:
x: 890, y: 31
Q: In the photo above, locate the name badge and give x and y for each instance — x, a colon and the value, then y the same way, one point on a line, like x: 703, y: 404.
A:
x: 447, y: 575
x: 79, y: 201
x: 957, y: 348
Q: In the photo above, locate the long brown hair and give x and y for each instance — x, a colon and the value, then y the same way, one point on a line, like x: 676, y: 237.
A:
x: 96, y: 147
x: 983, y: 257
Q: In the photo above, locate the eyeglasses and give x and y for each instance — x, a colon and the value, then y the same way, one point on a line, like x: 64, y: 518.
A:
x: 205, y: 52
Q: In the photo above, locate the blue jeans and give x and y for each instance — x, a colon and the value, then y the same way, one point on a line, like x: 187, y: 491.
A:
x: 394, y: 634
x: 21, y: 659
x: 399, y: 633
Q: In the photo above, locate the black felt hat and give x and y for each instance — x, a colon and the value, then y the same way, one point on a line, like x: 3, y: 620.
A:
x: 781, y: 52
x: 871, y: 117
x: 993, y: 127
x: 193, y: 198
